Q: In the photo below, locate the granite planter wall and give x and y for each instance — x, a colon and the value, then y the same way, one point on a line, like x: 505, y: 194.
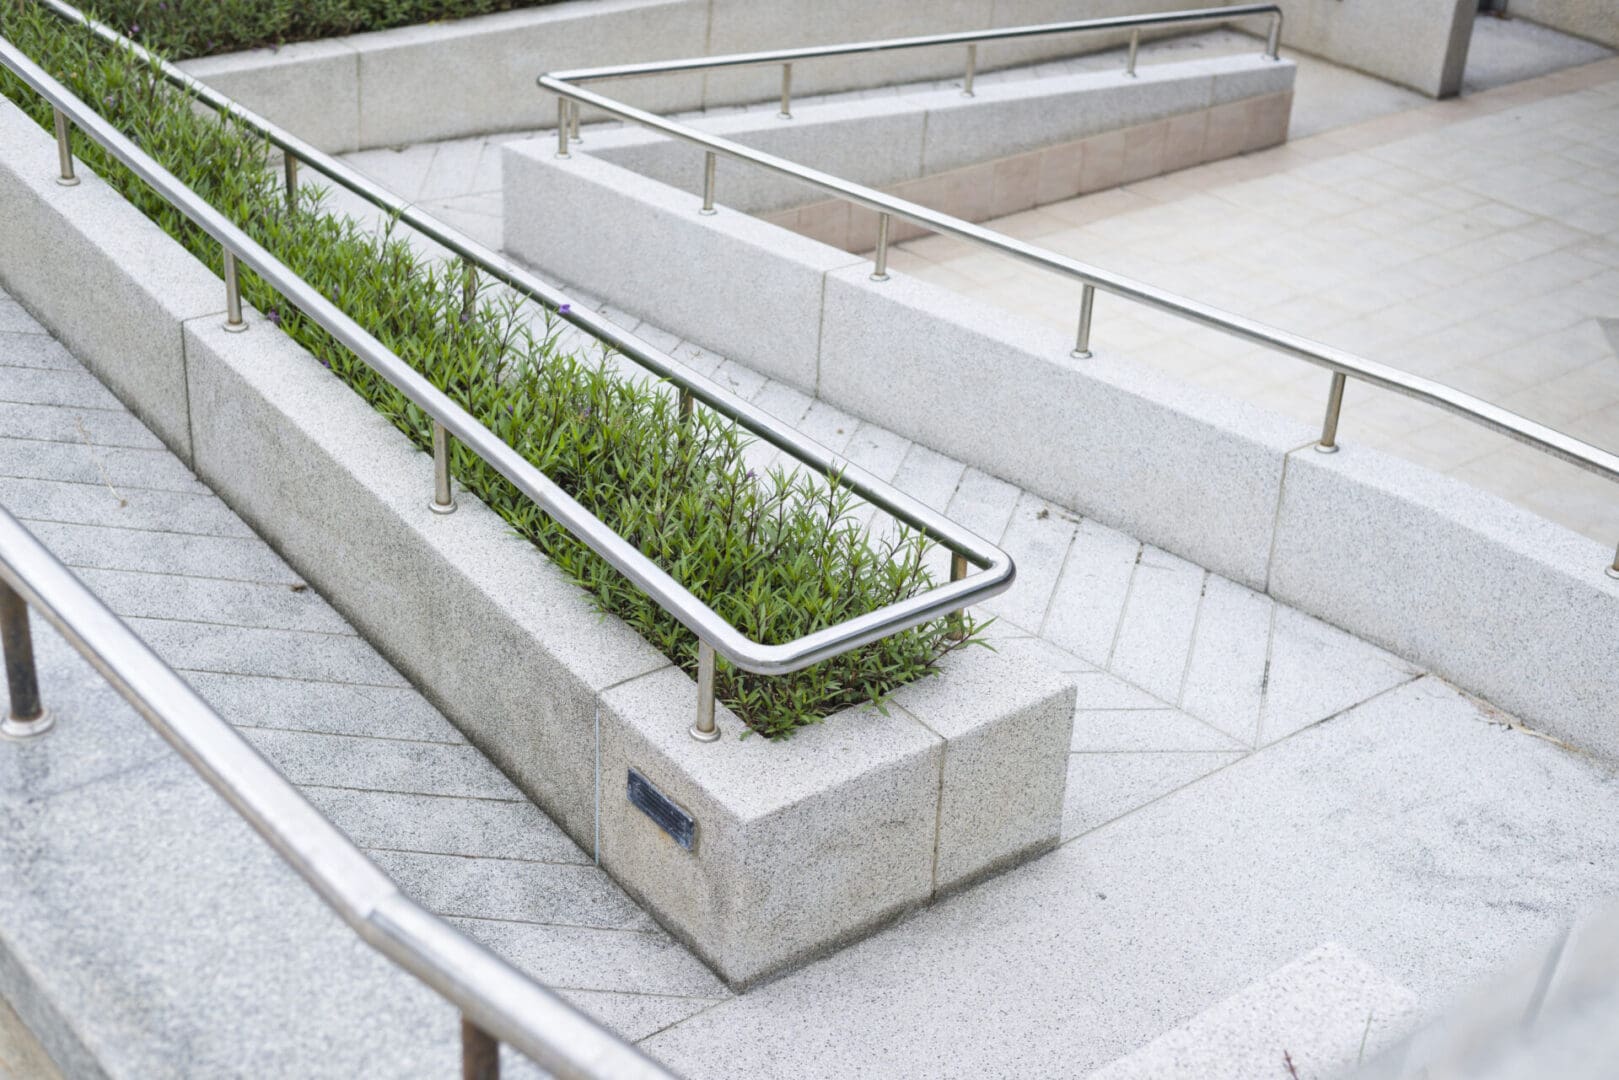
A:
x: 1501, y: 602
x: 799, y: 846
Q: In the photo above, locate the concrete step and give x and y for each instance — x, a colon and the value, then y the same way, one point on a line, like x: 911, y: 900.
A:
x: 1314, y: 1018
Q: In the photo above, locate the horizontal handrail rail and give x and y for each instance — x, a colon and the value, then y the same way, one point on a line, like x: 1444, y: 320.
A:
x: 1340, y: 362
x: 496, y: 1000
x: 1190, y: 17
x: 715, y: 635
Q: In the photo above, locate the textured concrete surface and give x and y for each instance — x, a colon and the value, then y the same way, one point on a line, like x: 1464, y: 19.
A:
x: 1323, y: 1012
x: 269, y: 653
x: 1550, y: 1014
x: 121, y: 296
x: 1411, y: 829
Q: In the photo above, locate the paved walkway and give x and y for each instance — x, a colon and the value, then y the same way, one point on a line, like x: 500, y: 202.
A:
x: 1245, y: 783
x: 276, y: 660
x: 1473, y: 241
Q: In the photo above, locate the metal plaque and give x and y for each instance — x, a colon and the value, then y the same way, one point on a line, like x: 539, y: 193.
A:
x: 668, y: 815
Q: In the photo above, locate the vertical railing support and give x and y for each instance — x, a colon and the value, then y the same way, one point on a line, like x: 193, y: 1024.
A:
x: 1082, y: 340
x: 786, y: 92
x: 703, y: 729
x: 443, y: 494
x: 1273, y: 43
x: 289, y: 168
x: 972, y: 70
x: 958, y: 570
x: 562, y: 127
x: 1329, y: 426
x: 573, y: 124
x: 480, y: 1053
x: 26, y: 718
x: 1135, y: 46
x: 1613, y: 571
x: 879, y: 270
x: 687, y: 404
x: 708, y: 183
x: 64, y: 151
x: 233, y: 296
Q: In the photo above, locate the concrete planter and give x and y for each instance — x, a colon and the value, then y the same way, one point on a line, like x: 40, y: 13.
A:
x: 800, y: 846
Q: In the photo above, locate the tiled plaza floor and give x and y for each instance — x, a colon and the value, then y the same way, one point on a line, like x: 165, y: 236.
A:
x: 1473, y: 241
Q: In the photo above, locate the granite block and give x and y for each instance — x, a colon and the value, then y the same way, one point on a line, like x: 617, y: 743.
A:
x: 801, y: 845
x: 1107, y: 439
x: 114, y: 289
x: 1006, y: 721
x: 1493, y: 597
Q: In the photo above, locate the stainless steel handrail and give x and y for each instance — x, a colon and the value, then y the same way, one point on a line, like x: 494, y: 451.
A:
x: 715, y: 635
x: 1341, y: 363
x: 497, y: 1001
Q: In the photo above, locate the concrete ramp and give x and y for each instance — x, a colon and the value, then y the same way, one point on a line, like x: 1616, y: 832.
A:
x: 1315, y: 1018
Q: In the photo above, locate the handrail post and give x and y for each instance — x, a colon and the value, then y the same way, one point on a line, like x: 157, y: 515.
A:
x: 480, y: 1053
x: 26, y: 717
x: 562, y: 127
x: 880, y: 268
x: 1273, y: 43
x: 1135, y: 45
x: 786, y: 92
x: 289, y: 167
x: 64, y: 151
x: 972, y: 70
x: 687, y: 403
x: 1329, y: 426
x: 708, y: 183
x: 1613, y: 571
x: 573, y: 125
x: 233, y: 296
x: 958, y: 620
x: 443, y: 494
x: 703, y: 729
x: 1082, y: 340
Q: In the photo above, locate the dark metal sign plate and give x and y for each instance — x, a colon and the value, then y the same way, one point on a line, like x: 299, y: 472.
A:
x: 664, y: 811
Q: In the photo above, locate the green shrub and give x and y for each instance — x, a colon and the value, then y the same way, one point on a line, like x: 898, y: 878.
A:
x: 182, y: 29
x: 778, y: 557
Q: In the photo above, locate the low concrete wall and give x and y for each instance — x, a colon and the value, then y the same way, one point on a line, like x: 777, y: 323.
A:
x: 1597, y: 20
x: 1010, y: 147
x: 475, y: 76
x: 1493, y: 597
x: 1503, y: 603
x: 1421, y: 44
x: 801, y: 846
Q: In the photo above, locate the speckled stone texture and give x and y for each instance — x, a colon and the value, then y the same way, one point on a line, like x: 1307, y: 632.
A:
x: 1500, y: 600
x: 744, y: 286
x: 1171, y: 464
x: 94, y: 267
x: 1321, y: 1013
x: 806, y: 844
x: 120, y: 869
x: 884, y: 140
x: 1549, y: 1015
